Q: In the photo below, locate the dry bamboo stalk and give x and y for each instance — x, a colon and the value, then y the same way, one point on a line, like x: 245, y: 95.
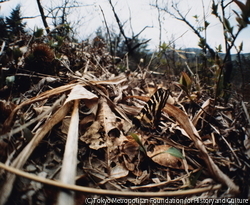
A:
x: 109, y: 192
x: 24, y: 155
x: 68, y: 172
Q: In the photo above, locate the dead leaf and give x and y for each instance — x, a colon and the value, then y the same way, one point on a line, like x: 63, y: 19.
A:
x: 160, y: 156
x: 107, y: 118
x: 40, y: 110
x: 65, y: 125
x: 79, y: 92
x: 93, y: 137
x: 130, y: 147
x: 204, y: 107
x: 118, y: 171
x: 86, y: 122
x: 128, y: 164
x: 112, y: 81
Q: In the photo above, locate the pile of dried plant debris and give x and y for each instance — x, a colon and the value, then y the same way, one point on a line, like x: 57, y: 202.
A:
x: 68, y: 138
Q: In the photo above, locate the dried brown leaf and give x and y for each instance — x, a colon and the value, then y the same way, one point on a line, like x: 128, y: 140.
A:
x: 65, y: 125
x: 118, y: 171
x: 130, y: 147
x: 79, y: 92
x: 107, y: 118
x: 160, y: 156
x: 93, y: 137
x: 128, y: 164
x: 40, y: 110
x: 86, y: 122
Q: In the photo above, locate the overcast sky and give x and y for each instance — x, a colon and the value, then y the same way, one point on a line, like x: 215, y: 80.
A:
x: 137, y: 14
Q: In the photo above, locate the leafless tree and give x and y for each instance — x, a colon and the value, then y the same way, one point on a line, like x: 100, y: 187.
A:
x: 130, y: 42
x: 229, y: 34
x: 59, y: 14
x: 179, y: 15
x: 46, y: 26
x: 159, y: 21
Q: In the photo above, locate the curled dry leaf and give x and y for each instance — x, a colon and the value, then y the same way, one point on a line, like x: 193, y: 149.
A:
x: 107, y: 118
x: 160, y: 156
x: 86, y: 122
x: 93, y: 137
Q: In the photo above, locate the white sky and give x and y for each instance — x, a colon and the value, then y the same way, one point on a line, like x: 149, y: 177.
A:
x: 142, y: 14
